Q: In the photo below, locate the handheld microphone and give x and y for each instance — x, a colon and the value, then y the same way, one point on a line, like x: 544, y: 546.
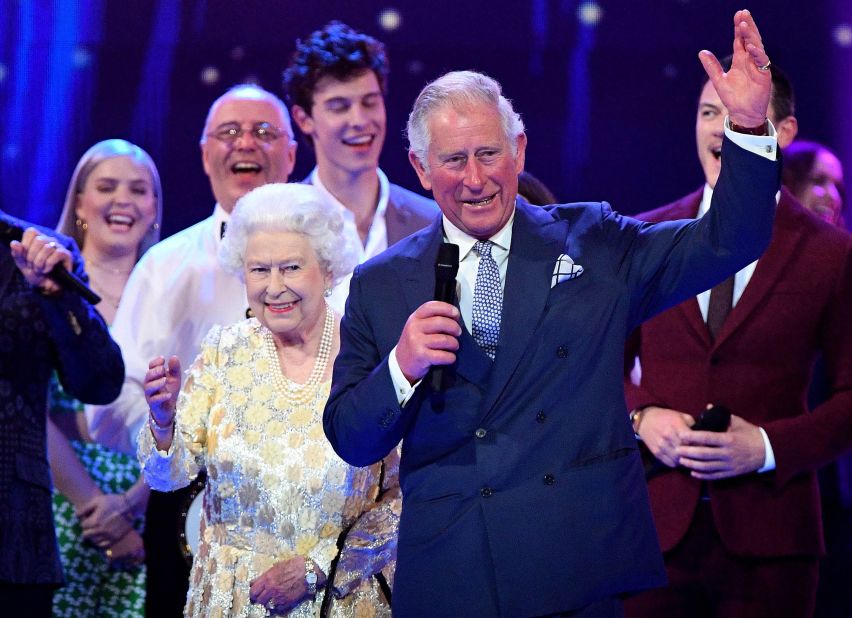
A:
x: 446, y: 269
x: 69, y: 281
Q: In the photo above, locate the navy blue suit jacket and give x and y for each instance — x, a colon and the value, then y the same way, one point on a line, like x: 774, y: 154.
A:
x: 526, y: 496
x: 40, y: 335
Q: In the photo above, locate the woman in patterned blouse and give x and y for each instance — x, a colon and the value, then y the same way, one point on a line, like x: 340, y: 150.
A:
x: 288, y: 527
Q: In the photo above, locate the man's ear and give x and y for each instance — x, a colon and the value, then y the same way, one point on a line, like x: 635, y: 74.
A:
x: 302, y: 119
x: 422, y: 173
x: 787, y: 129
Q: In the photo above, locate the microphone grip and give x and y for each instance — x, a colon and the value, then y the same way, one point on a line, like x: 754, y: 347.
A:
x: 72, y: 282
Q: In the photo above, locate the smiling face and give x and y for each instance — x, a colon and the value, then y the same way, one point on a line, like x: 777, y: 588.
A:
x: 285, y: 284
x: 822, y: 191
x: 118, y: 205
x: 346, y: 124
x: 235, y: 169
x: 471, y: 170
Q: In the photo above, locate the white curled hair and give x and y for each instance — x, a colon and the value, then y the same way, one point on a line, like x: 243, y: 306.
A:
x: 459, y: 89
x: 290, y: 207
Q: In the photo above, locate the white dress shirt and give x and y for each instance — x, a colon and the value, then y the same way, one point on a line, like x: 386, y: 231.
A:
x: 377, y: 236
x: 175, y: 294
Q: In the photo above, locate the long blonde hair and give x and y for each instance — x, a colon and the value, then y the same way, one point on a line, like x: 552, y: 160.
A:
x: 98, y: 153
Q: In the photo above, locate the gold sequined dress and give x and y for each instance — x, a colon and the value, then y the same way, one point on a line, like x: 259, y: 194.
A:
x: 275, y: 487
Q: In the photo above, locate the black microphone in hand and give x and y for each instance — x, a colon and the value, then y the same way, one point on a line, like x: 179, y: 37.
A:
x: 69, y: 281
x: 446, y: 269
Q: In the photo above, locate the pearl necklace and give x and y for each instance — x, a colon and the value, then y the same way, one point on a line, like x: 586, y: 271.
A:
x: 300, y: 393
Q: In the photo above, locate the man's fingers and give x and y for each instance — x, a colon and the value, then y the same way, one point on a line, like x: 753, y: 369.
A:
x: 440, y: 325
x: 711, y: 65
x: 437, y: 308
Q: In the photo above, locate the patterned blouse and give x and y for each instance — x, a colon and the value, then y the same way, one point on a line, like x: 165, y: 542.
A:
x: 275, y: 487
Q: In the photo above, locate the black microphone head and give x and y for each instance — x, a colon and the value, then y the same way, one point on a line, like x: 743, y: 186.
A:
x: 447, y: 264
x: 9, y: 232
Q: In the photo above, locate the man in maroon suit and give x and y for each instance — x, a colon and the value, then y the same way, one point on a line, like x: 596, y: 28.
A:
x: 737, y: 511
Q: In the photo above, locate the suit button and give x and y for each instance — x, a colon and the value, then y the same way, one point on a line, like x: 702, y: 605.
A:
x: 541, y: 416
x: 549, y: 479
x: 480, y: 433
x: 562, y: 351
x: 486, y: 492
x: 714, y: 360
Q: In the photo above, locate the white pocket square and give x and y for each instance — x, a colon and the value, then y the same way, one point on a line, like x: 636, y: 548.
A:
x: 565, y: 270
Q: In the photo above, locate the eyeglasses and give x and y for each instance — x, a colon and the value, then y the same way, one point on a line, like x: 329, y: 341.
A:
x: 263, y: 132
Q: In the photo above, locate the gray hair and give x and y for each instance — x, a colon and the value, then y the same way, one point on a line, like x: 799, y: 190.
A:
x: 248, y: 91
x: 93, y: 157
x: 291, y: 207
x: 460, y: 89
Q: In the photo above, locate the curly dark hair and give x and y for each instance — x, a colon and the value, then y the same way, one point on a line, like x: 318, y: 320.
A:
x: 335, y: 51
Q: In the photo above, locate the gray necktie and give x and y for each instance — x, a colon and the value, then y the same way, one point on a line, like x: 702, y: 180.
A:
x: 487, y: 300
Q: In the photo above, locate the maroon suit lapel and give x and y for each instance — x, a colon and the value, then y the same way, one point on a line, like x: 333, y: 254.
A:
x: 786, y: 237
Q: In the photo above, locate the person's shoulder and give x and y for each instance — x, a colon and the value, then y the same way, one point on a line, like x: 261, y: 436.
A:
x: 685, y: 207
x: 792, y: 217
x: 419, y: 204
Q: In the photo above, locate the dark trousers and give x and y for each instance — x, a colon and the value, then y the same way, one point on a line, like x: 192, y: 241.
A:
x: 32, y: 600
x: 705, y: 580
x: 168, y: 571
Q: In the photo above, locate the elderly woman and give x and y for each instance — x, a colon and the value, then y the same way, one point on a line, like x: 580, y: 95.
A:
x: 112, y: 210
x: 814, y: 175
x: 287, y: 526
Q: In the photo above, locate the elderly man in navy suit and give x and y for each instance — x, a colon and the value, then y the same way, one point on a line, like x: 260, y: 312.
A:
x: 523, y: 488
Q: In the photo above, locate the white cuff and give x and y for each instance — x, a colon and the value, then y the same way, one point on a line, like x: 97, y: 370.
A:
x: 769, y: 460
x: 764, y: 145
x: 401, y: 387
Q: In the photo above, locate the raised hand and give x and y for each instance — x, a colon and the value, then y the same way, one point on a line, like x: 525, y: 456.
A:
x: 745, y: 89
x: 161, y: 386
x: 35, y: 256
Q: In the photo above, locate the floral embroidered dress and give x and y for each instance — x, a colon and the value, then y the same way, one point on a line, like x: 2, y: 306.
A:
x: 275, y: 488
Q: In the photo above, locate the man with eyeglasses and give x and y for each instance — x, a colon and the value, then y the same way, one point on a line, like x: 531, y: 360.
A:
x: 336, y: 84
x: 178, y: 291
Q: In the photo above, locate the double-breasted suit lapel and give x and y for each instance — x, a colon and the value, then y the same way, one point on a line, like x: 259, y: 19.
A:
x: 537, y: 241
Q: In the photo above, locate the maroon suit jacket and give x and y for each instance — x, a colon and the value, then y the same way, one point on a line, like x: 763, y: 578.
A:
x: 797, y: 304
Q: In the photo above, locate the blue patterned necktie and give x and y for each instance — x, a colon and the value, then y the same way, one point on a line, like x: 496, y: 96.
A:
x: 487, y: 300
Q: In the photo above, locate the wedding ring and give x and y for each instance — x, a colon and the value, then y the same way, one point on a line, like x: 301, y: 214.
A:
x: 52, y: 244
x: 108, y: 553
x: 270, y: 605
x: 765, y: 67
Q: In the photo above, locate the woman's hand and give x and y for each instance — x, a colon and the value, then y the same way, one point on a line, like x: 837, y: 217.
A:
x: 162, y: 385
x: 36, y: 255
x: 128, y: 553
x: 283, y: 585
x: 105, y: 519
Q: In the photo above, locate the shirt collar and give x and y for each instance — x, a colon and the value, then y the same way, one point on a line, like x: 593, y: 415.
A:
x: 384, y: 193
x: 502, y: 238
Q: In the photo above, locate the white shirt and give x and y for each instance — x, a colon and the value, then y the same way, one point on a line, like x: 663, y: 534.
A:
x: 377, y: 236
x: 175, y: 294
